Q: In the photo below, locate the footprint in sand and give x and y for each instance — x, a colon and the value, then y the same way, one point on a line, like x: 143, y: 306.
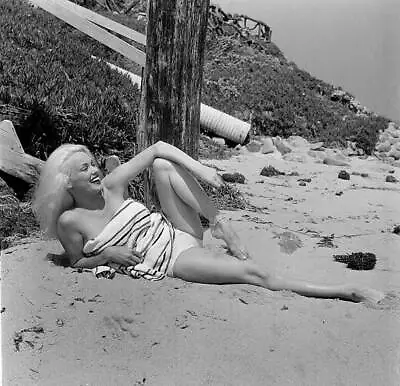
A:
x: 391, y: 301
x: 120, y: 323
x: 288, y: 242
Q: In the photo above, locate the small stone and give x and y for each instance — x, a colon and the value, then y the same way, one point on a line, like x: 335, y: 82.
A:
x: 218, y: 140
x: 297, y: 141
x: 302, y: 183
x: 234, y: 177
x: 253, y: 146
x: 396, y: 230
x: 267, y: 146
x: 339, y: 193
x: 334, y: 162
x: 317, y: 146
x: 319, y: 155
x: 282, y: 147
x: 383, y: 146
x: 294, y: 174
x: 394, y: 153
x: 391, y: 171
x: 391, y: 179
x: 296, y: 157
x: 60, y: 322
x: 304, y: 179
x: 365, y: 175
x: 344, y: 175
x: 270, y: 171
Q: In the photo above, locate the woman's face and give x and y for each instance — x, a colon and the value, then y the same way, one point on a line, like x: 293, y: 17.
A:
x: 85, y: 176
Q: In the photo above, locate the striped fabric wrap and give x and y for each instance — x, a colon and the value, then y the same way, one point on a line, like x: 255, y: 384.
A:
x: 150, y: 234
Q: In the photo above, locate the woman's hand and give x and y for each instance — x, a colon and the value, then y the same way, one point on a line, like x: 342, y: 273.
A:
x: 205, y: 173
x: 211, y: 176
x: 123, y: 255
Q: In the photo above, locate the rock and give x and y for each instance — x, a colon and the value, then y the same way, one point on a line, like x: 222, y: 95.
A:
x: 302, y: 183
x: 339, y: 193
x: 385, y: 136
x: 294, y: 174
x: 319, y: 155
x: 253, y: 146
x: 270, y: 171
x: 359, y: 174
x: 394, y: 141
x: 218, y: 140
x: 344, y: 175
x: 334, y: 162
x: 391, y: 179
x: 281, y: 146
x: 395, y: 133
x: 267, y: 146
x: 396, y: 163
x: 396, y: 230
x: 383, y: 146
x: 297, y: 141
x: 295, y: 157
x: 304, y: 179
x: 317, y: 146
x: 394, y: 153
x: 233, y: 177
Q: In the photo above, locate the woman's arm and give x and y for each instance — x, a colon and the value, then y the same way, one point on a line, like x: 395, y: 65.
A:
x: 72, y: 241
x: 121, y: 176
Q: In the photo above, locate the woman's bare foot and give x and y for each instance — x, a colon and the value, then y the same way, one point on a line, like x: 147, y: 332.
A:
x: 211, y: 176
x: 366, y: 295
x: 224, y: 231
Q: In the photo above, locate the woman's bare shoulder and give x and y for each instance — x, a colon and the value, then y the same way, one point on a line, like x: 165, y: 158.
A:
x: 69, y: 219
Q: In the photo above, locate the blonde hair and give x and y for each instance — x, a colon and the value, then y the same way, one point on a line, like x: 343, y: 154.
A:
x: 51, y: 198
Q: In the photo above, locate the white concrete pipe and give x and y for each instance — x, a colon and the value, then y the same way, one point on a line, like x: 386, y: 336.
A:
x: 215, y: 121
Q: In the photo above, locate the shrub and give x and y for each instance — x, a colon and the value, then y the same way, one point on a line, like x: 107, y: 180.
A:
x: 48, y: 71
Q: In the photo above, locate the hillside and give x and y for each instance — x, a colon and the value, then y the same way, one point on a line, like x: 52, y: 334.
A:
x: 68, y: 98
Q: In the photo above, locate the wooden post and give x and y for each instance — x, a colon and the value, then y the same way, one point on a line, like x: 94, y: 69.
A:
x: 172, y: 79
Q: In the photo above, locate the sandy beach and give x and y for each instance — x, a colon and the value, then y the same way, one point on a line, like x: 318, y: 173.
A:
x: 64, y: 327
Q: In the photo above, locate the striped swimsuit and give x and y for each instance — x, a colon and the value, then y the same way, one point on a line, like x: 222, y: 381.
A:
x: 150, y: 234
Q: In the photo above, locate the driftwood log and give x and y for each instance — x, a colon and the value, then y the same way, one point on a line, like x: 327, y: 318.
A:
x: 13, y: 160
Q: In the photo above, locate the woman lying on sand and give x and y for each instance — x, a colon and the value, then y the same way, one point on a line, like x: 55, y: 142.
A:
x: 97, y: 225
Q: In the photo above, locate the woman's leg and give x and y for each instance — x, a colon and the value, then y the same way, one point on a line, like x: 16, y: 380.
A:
x: 182, y: 199
x: 202, y: 266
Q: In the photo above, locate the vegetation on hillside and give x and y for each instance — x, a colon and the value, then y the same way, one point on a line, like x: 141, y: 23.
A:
x: 47, y: 70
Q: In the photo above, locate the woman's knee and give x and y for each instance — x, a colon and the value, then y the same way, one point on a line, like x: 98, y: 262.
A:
x: 162, y: 165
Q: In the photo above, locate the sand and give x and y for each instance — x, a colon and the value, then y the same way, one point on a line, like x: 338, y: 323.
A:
x: 62, y: 327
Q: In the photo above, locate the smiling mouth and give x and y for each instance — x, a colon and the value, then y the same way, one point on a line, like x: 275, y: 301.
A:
x: 95, y: 180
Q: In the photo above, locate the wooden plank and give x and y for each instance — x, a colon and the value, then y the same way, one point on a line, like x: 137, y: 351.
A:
x: 20, y: 165
x: 104, y: 22
x: 9, y: 137
x: 93, y: 31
